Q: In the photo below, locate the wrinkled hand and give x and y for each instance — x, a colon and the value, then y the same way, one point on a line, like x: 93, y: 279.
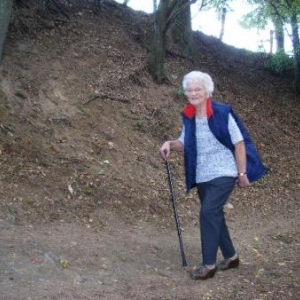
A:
x: 165, y: 150
x: 243, y: 182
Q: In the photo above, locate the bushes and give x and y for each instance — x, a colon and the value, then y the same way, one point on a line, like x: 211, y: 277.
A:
x: 280, y: 62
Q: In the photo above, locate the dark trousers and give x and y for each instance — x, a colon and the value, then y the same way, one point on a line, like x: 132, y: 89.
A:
x: 214, y: 232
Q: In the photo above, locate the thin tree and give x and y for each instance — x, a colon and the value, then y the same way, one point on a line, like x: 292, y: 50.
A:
x: 154, y: 5
x: 181, y: 27
x: 157, y: 54
x: 223, y: 18
x: 279, y: 32
x: 221, y: 8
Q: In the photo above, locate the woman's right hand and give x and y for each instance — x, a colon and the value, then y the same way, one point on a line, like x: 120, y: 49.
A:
x: 165, y: 150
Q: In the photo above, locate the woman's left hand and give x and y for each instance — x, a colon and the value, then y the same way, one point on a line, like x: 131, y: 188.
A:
x: 243, y: 181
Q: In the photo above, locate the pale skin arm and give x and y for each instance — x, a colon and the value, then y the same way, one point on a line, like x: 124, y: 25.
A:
x: 166, y: 148
x: 240, y: 157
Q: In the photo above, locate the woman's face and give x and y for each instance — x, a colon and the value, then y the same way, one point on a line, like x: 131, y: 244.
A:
x: 196, y: 93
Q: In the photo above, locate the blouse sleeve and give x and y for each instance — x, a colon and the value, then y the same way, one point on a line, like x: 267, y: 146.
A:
x: 234, y: 131
x: 181, y: 137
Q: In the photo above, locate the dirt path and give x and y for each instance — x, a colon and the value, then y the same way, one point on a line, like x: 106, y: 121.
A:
x: 81, y: 125
x: 69, y: 261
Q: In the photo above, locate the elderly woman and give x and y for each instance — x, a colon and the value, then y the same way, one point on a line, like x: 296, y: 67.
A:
x: 218, y: 153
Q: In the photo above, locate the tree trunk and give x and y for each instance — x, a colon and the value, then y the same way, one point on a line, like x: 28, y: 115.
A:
x: 154, y: 6
x: 174, y: 14
x: 157, y: 55
x: 296, y: 50
x: 223, y: 18
x: 182, y: 33
x: 5, y: 12
x: 279, y: 32
x: 279, y: 36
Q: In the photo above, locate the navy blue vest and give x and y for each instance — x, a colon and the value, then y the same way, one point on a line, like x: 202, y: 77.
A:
x: 218, y: 124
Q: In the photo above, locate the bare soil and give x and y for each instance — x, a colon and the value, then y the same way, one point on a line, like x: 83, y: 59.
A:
x: 85, y: 208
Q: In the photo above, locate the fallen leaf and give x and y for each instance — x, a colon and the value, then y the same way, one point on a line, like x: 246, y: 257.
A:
x: 70, y: 189
x: 258, y: 272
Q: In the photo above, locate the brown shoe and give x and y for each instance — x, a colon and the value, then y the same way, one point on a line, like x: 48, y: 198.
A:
x: 203, y: 273
x: 227, y: 264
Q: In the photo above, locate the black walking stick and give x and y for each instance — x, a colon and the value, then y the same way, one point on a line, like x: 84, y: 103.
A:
x: 174, y: 203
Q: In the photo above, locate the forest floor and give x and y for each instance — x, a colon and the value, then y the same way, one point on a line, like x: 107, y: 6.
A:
x: 85, y: 208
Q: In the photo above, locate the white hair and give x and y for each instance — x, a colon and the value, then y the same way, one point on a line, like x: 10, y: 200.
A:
x: 200, y: 77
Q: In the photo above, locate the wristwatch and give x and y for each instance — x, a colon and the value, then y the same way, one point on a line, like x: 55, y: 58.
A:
x: 242, y: 173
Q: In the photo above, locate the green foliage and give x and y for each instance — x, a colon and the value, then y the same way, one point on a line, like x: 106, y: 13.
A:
x: 280, y: 62
x: 180, y: 92
x: 257, y: 18
x: 217, y: 5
